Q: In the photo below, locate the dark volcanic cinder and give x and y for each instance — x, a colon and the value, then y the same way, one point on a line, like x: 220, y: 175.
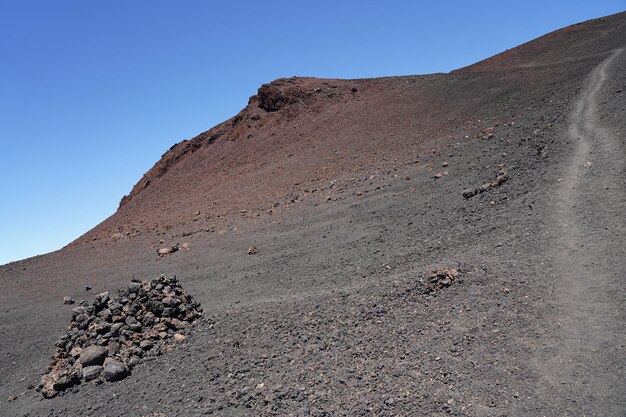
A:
x: 315, y: 227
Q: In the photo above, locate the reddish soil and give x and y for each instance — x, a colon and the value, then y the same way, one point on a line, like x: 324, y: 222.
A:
x: 352, y: 193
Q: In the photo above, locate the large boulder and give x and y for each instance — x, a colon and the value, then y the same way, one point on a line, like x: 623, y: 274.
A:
x: 93, y: 355
x: 115, y: 371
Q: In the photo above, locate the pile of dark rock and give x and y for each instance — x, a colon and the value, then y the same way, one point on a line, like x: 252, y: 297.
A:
x: 105, y: 340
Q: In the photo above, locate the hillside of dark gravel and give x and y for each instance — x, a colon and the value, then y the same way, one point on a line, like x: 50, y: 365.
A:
x: 441, y: 245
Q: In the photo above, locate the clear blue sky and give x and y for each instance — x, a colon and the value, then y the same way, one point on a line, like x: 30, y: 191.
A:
x: 92, y: 93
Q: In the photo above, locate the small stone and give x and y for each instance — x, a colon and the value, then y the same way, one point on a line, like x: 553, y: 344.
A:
x: 469, y: 193
x: 76, y: 311
x: 185, y: 246
x: 101, y: 299
x: 116, y: 327
x: 68, y: 300
x: 500, y: 179
x: 133, y: 324
x: 75, y: 352
x: 115, y: 371
x: 484, y: 187
x: 66, y: 381
x: 180, y: 337
x: 134, y: 287
x: 93, y: 355
x: 252, y: 250
x: 91, y: 372
x: 87, y: 287
x: 134, y: 360
x: 167, y: 250
x: 113, y: 347
x: 178, y: 324
x: 146, y: 344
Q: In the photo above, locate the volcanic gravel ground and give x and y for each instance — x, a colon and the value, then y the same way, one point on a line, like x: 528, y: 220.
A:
x: 330, y: 316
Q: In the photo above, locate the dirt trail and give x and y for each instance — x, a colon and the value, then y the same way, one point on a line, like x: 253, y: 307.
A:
x: 586, y: 370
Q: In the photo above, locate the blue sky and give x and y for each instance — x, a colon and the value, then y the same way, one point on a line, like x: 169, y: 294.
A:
x: 93, y: 93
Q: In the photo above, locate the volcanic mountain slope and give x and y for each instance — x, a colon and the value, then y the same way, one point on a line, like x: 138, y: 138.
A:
x: 510, y: 171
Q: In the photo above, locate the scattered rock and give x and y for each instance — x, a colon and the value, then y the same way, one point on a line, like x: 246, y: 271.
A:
x: 252, y: 250
x: 500, y: 179
x: 167, y: 250
x: 146, y: 344
x: 469, y: 192
x: 106, y: 340
x: 68, y: 300
x: 440, y: 279
x: 488, y: 133
x: 87, y: 287
x: 185, y: 246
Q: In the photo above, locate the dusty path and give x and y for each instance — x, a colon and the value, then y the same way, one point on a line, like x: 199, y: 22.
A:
x: 586, y: 372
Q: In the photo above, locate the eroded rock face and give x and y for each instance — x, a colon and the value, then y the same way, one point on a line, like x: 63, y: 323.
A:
x: 105, y: 340
x: 271, y: 98
x: 278, y: 94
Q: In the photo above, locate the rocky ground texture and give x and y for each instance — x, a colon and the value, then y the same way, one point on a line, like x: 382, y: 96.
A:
x: 310, y: 226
